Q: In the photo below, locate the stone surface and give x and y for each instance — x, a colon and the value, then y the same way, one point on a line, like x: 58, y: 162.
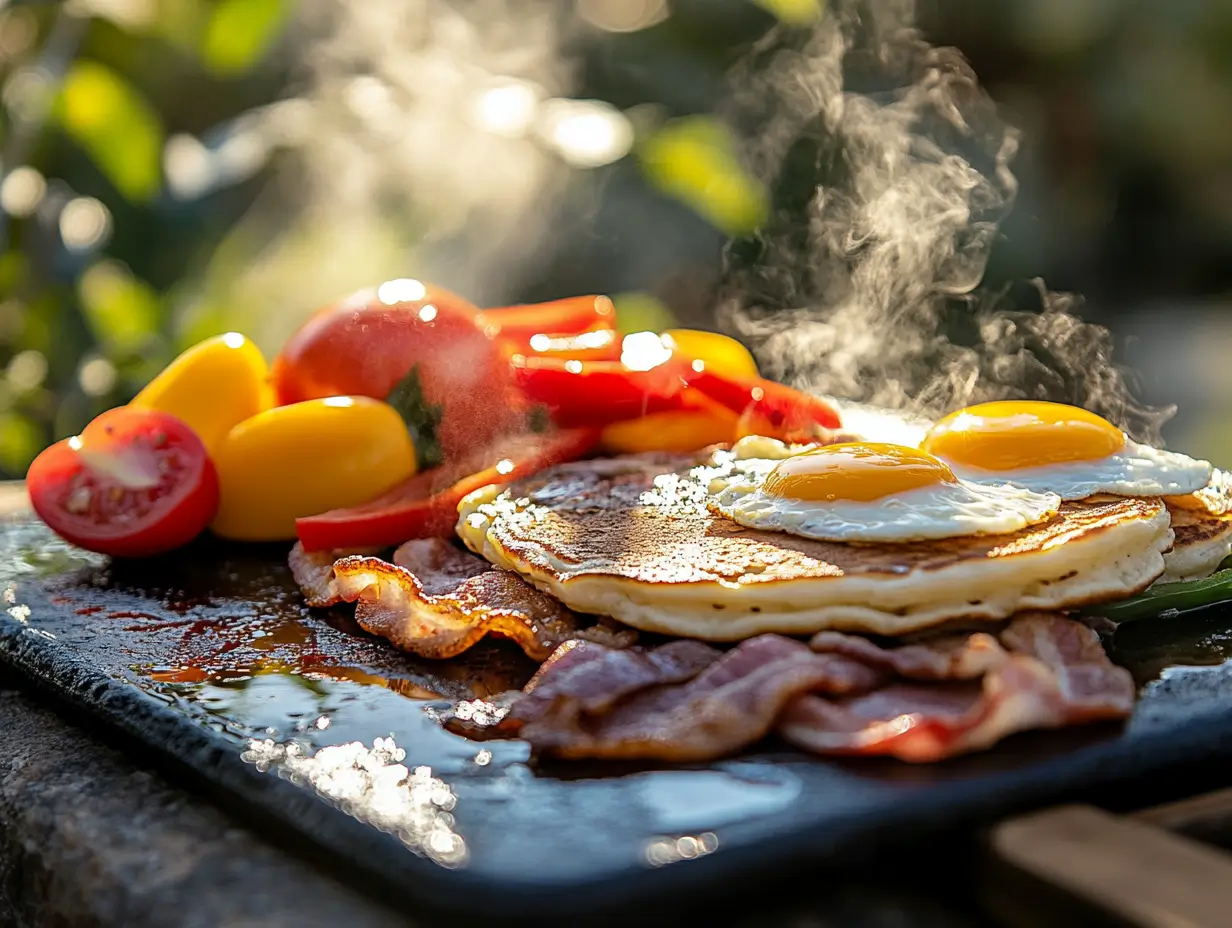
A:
x: 87, y: 839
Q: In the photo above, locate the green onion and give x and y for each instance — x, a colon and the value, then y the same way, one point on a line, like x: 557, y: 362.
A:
x: 1170, y: 598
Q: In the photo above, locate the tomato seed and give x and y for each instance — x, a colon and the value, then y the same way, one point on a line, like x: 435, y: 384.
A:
x: 78, y: 501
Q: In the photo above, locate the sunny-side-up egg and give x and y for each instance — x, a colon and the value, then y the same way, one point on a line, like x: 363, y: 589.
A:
x: 1051, y: 447
x: 870, y: 492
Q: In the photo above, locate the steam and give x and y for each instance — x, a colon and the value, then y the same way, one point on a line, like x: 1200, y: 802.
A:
x: 419, y: 138
x: 890, y: 174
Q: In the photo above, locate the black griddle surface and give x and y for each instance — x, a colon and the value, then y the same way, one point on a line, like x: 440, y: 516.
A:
x: 210, y: 663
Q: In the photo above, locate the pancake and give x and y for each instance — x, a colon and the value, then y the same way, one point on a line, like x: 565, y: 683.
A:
x: 631, y: 538
x: 1202, y: 523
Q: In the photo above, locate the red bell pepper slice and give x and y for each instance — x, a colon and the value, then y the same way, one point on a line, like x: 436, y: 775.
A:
x: 790, y: 414
x: 595, y: 345
x: 426, y: 506
x: 517, y: 325
x: 596, y: 393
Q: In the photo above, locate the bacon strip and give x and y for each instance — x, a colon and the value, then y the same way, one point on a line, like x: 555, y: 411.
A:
x: 588, y: 678
x: 687, y: 701
x: 733, y: 702
x: 436, y: 600
x: 314, y: 573
x: 390, y: 601
x: 1053, y: 673
x: 955, y: 657
x: 581, y: 677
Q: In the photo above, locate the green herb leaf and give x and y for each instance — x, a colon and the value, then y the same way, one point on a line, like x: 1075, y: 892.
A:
x: 1170, y: 598
x: 421, y: 417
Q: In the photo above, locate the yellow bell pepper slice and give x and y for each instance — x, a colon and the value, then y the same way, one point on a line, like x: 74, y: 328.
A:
x: 721, y: 354
x: 304, y: 459
x: 213, y: 386
x: 679, y: 430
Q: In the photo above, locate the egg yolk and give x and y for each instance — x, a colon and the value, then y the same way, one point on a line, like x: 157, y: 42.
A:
x: 1016, y: 434
x: 857, y: 472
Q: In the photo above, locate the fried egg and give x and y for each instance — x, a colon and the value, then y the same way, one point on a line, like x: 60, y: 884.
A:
x: 871, y: 492
x: 1053, y: 448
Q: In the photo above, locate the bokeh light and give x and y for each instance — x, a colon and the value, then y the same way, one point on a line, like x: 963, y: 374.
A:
x: 85, y: 224
x: 22, y: 191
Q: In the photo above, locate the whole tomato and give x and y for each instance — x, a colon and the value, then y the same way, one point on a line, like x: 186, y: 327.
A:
x: 416, y: 346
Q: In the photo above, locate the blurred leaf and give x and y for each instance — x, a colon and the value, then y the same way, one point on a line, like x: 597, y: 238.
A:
x: 641, y: 312
x: 107, y: 117
x: 202, y: 321
x: 694, y: 160
x: 13, y: 269
x: 39, y: 322
x: 181, y: 23
x: 795, y: 12
x: 20, y: 440
x: 240, y: 32
x: 121, y: 310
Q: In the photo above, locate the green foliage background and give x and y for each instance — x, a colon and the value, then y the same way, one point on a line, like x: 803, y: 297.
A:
x: 109, y: 264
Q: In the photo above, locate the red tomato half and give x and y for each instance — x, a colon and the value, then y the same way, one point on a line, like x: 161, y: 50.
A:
x: 368, y: 343
x: 135, y: 482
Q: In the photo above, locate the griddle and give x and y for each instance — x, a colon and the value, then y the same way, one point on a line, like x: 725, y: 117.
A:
x: 208, y: 663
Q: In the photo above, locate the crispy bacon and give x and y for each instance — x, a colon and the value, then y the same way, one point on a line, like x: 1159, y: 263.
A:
x: 436, y: 600
x: 1053, y: 673
x: 392, y: 602
x: 314, y: 573
x: 733, y: 702
x: 687, y: 701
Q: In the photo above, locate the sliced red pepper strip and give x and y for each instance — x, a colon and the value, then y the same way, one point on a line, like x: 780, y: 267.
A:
x: 598, y: 344
x: 426, y: 506
x: 571, y: 316
x: 790, y: 414
x: 596, y: 393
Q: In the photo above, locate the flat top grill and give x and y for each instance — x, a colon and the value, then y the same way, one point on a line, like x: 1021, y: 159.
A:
x: 195, y: 658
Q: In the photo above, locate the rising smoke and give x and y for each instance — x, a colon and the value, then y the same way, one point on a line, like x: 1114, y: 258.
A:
x: 890, y: 174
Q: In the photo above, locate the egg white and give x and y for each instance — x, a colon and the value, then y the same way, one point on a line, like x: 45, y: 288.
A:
x: 1135, y: 470
x: 948, y: 510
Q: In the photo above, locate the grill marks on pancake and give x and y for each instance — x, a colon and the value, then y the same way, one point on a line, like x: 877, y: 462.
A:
x: 921, y: 702
x: 437, y: 601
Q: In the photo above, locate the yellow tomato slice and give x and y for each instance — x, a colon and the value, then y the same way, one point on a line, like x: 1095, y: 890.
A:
x: 721, y: 355
x: 707, y: 423
x: 213, y: 386
x: 304, y: 459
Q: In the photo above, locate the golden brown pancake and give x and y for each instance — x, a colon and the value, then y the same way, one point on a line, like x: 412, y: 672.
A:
x: 1202, y: 523
x: 631, y: 538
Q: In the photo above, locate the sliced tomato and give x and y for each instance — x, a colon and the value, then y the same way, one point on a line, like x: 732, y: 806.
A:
x: 517, y: 325
x: 767, y: 407
x: 426, y: 506
x: 597, y: 393
x: 135, y: 482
